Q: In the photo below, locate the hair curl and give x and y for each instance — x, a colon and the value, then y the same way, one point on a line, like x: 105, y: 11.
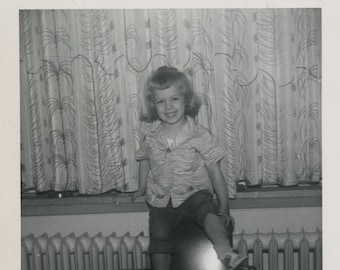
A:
x: 163, y: 78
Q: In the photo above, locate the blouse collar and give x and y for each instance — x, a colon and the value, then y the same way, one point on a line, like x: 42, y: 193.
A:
x: 186, y: 133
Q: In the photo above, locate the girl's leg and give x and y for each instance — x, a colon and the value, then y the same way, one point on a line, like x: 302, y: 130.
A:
x: 161, y: 261
x: 217, y: 234
x: 201, y: 208
x: 162, y: 222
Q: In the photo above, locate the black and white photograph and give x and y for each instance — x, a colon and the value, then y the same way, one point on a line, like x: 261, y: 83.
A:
x: 172, y: 138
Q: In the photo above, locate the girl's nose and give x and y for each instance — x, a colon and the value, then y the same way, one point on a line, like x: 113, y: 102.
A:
x: 168, y: 104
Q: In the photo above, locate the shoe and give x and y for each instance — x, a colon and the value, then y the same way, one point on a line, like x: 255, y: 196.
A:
x: 234, y: 260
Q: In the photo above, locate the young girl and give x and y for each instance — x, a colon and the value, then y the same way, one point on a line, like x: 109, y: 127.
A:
x: 184, y: 161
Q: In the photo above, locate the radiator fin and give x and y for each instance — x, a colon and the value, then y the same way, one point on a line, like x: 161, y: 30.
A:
x: 318, y: 252
x: 288, y: 253
x: 273, y: 253
x: 258, y: 252
x: 304, y: 253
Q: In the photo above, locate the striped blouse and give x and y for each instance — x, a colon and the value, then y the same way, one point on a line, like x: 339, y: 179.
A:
x: 178, y: 170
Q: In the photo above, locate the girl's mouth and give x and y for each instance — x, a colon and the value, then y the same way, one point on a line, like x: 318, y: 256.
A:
x: 171, y: 114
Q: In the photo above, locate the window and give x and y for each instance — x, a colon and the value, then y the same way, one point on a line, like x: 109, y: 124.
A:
x: 81, y: 77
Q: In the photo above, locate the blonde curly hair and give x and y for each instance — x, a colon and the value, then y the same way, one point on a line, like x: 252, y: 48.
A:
x: 163, y: 78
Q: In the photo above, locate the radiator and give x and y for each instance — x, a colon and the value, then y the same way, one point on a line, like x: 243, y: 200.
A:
x: 272, y: 251
x: 84, y: 252
x: 282, y: 251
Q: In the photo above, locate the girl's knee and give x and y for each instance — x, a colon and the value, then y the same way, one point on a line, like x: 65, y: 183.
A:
x: 212, y: 220
x: 214, y: 228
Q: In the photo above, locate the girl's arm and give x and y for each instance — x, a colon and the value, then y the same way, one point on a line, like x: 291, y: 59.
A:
x: 144, y: 167
x: 220, y: 187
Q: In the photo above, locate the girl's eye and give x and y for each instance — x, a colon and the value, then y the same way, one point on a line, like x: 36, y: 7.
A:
x: 159, y: 101
x: 175, y: 98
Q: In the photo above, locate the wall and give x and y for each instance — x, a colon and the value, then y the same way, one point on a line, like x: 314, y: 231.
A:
x: 264, y: 219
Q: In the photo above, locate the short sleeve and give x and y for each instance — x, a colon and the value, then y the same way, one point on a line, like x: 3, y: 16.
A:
x: 142, y: 152
x: 207, y: 145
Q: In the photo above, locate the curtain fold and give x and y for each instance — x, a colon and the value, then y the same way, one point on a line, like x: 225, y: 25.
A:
x: 256, y: 72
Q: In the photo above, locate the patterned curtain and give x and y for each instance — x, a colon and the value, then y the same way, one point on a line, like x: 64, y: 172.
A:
x: 257, y: 73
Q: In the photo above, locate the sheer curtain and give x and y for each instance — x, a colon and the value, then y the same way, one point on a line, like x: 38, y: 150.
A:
x: 257, y: 73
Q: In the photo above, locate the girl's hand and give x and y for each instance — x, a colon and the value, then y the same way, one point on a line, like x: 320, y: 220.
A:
x: 227, y: 219
x: 137, y: 194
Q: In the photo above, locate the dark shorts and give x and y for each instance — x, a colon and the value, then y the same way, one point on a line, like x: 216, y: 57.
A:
x: 164, y: 221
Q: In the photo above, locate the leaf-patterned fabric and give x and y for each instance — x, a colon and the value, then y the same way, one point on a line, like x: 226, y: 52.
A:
x: 257, y: 73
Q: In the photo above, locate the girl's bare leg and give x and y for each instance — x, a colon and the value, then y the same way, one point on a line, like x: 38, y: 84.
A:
x: 217, y: 234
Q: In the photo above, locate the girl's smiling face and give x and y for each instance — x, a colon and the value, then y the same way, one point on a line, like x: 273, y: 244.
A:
x: 170, y: 105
